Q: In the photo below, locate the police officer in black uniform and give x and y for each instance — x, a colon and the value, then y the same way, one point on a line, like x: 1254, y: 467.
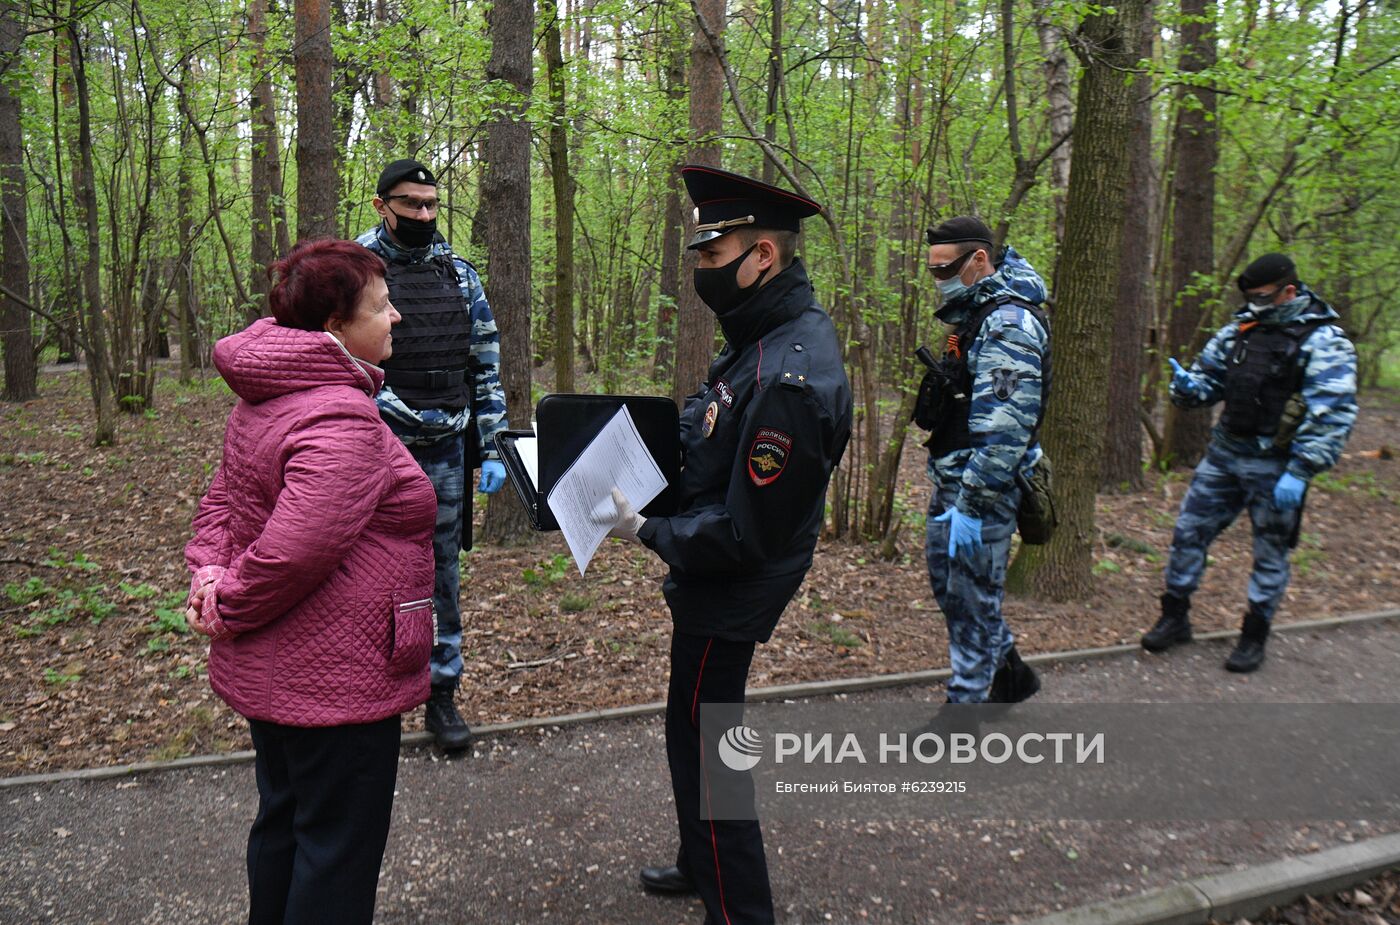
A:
x: 760, y: 441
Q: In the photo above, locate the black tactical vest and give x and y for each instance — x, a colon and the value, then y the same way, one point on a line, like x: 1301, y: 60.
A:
x: 428, y: 368
x: 944, y: 406
x: 1261, y: 374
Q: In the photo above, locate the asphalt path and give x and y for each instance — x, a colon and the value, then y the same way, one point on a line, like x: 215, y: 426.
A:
x: 550, y: 825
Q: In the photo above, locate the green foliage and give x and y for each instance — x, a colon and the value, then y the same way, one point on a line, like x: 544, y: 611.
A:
x: 57, y: 678
x: 550, y: 571
x: 575, y: 603
x: 1119, y: 541
x: 835, y: 633
x: 21, y: 594
x: 893, y: 115
x: 1360, y: 482
x: 77, y: 562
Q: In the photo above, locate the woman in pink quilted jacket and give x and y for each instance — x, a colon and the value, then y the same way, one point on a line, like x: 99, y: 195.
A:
x: 313, y: 577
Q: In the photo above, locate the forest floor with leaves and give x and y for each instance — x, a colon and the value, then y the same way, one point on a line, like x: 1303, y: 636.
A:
x: 97, y: 666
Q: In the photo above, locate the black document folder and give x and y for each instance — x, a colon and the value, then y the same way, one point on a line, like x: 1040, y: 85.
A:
x: 567, y: 424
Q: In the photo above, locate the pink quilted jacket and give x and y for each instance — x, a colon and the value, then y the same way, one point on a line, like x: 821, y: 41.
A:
x: 316, y: 535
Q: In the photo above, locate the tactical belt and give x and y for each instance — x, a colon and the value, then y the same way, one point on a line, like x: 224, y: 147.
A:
x: 426, y: 378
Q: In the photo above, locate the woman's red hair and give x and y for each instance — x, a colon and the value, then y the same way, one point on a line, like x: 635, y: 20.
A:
x: 320, y: 280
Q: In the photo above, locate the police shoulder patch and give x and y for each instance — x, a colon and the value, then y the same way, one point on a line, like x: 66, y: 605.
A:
x: 768, y: 455
x: 1003, y: 383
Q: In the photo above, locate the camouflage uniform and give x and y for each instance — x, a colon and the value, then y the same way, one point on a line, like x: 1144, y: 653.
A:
x: 1005, y: 362
x: 1241, y: 472
x: 435, y: 438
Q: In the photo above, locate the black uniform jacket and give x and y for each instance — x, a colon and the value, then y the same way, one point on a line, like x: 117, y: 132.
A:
x: 759, y: 443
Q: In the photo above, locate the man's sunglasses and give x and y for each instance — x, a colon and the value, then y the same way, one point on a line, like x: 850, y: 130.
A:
x: 414, y: 203
x: 946, y: 271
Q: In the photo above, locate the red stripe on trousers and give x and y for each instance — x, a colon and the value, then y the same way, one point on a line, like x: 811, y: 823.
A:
x: 714, y: 842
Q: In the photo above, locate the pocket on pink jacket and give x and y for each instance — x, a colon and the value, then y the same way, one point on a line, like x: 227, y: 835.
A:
x: 411, y: 636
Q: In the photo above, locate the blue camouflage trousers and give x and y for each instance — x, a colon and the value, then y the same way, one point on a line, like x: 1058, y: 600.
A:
x: 442, y: 462
x: 970, y: 593
x: 1226, y: 483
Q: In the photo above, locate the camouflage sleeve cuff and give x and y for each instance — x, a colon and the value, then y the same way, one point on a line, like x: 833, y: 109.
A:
x: 975, y: 502
x: 1300, y: 469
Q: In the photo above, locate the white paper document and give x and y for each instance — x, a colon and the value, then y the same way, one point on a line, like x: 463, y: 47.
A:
x: 528, y: 449
x: 581, y: 500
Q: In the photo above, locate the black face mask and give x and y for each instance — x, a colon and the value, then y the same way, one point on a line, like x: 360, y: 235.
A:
x: 412, y: 233
x: 718, y: 287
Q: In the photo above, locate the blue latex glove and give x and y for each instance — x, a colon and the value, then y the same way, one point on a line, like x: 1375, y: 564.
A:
x: 964, y: 533
x: 1288, y: 493
x: 1181, y: 379
x: 493, y: 476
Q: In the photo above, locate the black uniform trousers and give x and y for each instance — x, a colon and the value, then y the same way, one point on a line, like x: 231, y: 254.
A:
x: 324, y: 799
x: 723, y: 857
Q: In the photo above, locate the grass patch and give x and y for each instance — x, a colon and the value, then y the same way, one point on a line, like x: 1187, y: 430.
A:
x: 1305, y: 561
x: 1119, y: 541
x: 25, y: 593
x: 549, y: 572
x: 835, y: 633
x: 58, y: 678
x: 1363, y: 482
x: 575, y: 603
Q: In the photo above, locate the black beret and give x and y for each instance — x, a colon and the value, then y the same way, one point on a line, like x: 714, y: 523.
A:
x: 957, y: 230
x: 401, y: 170
x: 1266, y: 270
x: 725, y: 201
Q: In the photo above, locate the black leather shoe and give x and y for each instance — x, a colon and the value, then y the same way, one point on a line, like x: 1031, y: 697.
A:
x: 1173, y: 628
x: 667, y: 880
x: 1249, y: 651
x: 449, y: 730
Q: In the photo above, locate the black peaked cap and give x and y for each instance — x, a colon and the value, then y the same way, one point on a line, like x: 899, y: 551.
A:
x: 722, y: 197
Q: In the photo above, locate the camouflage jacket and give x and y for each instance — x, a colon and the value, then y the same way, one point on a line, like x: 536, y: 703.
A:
x: 1328, y: 361
x: 483, y: 359
x: 1001, y: 428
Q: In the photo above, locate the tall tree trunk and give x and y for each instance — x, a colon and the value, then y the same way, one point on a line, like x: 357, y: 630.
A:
x: 563, y: 182
x: 1122, y: 458
x: 269, y: 230
x: 190, y: 353
x: 505, y: 192
x: 775, y: 84
x: 18, y: 336
x: 1193, y: 221
x: 85, y: 191
x: 695, y: 323
x: 1059, y: 101
x: 671, y: 282
x: 318, y: 176
x: 1078, y: 407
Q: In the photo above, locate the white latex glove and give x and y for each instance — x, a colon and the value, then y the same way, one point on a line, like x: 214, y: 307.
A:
x: 628, y: 520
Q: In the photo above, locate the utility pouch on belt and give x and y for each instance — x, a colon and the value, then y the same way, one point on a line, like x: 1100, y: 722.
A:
x: 935, y: 400
x: 1293, y: 413
x: 1035, y: 517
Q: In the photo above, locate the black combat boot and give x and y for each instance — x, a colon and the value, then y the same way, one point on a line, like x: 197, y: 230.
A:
x: 1014, y: 681
x: 449, y: 730
x: 1249, y: 651
x: 1174, y: 626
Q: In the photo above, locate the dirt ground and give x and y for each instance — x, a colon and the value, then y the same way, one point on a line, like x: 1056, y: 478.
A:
x: 1376, y: 902
x: 98, y: 668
